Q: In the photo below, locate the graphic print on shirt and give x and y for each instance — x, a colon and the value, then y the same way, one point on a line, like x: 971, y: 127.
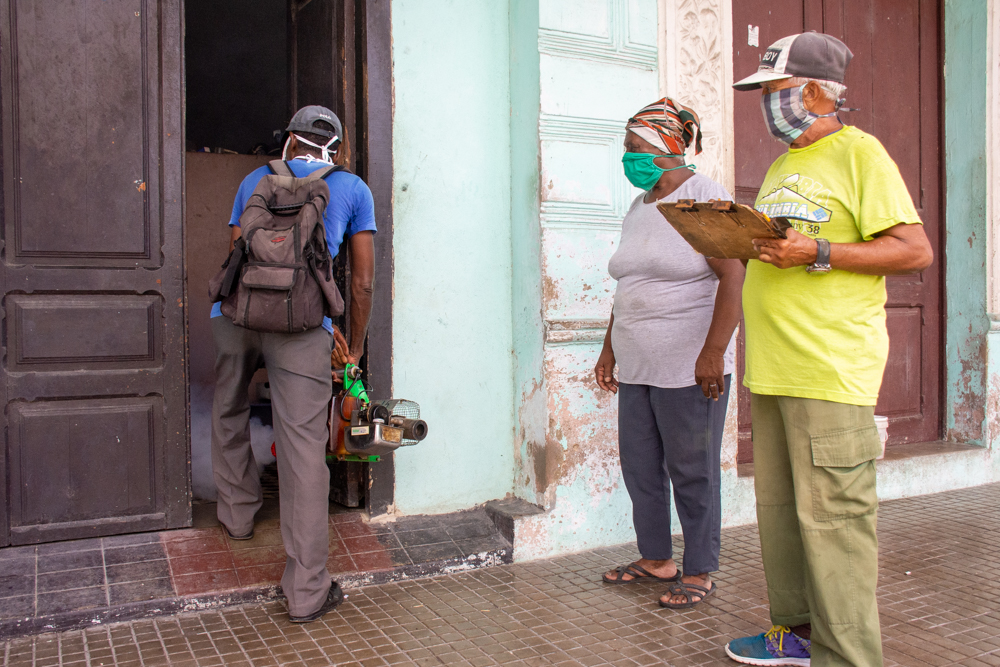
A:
x: 800, y: 199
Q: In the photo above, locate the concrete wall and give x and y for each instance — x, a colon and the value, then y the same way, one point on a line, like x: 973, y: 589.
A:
x: 452, y: 331
x: 581, y: 69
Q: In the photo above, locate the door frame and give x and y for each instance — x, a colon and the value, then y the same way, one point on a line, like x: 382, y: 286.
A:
x: 362, y: 90
x: 375, y: 133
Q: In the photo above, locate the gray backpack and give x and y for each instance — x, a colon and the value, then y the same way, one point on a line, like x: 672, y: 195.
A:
x: 279, y: 277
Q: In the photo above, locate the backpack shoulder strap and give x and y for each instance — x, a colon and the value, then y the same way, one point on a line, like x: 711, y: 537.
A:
x: 280, y: 168
x: 323, y: 173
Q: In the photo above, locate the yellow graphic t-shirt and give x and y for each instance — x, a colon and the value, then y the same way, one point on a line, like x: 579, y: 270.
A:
x: 823, y: 335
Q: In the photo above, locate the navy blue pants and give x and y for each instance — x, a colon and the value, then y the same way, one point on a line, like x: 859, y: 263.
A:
x: 673, y: 436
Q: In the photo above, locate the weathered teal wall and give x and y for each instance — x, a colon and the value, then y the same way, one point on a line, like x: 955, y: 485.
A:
x: 528, y: 327
x: 452, y: 338
x: 579, y: 70
x: 965, y: 218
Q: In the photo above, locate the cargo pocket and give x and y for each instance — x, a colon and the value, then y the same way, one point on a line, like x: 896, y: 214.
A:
x: 843, y: 474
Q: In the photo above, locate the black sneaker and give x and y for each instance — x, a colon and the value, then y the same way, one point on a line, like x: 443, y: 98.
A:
x: 248, y: 536
x: 333, y: 598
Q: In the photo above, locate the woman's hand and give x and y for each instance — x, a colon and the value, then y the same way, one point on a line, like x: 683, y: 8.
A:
x: 709, y: 372
x: 604, y: 372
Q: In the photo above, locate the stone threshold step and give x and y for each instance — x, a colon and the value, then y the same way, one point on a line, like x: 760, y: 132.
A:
x: 76, y: 620
x: 79, y: 583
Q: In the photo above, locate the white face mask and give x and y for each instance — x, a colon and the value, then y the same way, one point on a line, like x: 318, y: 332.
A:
x: 324, y: 154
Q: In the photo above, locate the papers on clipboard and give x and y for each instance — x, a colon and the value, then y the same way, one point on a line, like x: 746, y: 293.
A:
x: 722, y: 229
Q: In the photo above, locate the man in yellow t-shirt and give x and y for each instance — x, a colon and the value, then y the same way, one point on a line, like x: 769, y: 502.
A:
x: 816, y: 347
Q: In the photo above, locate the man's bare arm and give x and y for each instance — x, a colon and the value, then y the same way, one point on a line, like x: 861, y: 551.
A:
x: 362, y: 247
x: 900, y: 250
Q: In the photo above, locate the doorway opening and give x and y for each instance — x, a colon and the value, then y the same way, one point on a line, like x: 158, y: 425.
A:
x: 249, y: 66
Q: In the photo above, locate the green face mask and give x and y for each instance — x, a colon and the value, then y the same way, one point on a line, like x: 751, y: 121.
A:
x: 642, y: 172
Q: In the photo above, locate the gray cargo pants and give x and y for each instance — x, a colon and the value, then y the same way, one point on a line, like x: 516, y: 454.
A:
x: 298, y: 370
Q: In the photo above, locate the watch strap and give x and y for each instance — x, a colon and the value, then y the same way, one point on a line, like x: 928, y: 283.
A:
x: 822, y: 263
x: 822, y: 252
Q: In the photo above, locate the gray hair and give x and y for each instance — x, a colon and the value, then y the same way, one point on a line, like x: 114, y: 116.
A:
x: 832, y: 90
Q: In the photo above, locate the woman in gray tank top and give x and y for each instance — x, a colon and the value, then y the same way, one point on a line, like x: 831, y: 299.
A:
x: 671, y: 336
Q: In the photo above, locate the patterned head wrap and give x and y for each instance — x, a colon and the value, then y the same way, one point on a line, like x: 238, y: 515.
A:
x: 669, y: 126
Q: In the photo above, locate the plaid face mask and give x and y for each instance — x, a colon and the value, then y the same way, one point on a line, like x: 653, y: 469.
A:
x: 786, y: 115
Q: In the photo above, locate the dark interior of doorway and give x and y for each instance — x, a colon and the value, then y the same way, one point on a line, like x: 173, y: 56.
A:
x: 244, y: 66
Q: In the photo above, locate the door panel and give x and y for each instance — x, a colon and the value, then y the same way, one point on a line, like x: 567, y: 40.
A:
x: 93, y: 382
x: 87, y: 116
x: 77, y: 461
x: 893, y: 82
x: 68, y: 332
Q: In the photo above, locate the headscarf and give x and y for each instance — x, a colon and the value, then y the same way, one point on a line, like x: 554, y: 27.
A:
x: 669, y: 126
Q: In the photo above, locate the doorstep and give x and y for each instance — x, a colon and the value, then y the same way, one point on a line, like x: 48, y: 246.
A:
x: 80, y: 583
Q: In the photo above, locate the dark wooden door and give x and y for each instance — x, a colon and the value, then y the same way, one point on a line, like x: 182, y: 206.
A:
x: 894, y: 80
x: 93, y: 380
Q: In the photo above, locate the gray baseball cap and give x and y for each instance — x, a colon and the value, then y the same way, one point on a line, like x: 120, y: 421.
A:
x: 305, y: 117
x: 812, y: 55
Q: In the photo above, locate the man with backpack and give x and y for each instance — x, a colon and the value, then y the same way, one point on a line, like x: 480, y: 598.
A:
x: 274, y: 297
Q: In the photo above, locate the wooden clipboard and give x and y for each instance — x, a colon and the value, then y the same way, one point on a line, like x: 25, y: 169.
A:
x: 722, y: 229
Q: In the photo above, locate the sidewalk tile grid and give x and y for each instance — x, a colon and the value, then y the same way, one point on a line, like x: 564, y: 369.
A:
x: 939, y: 599
x: 105, y: 573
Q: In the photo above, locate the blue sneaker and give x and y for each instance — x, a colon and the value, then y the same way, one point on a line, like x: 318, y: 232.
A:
x: 777, y: 646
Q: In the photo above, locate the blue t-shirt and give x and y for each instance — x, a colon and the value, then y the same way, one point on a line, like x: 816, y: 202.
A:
x: 351, y: 208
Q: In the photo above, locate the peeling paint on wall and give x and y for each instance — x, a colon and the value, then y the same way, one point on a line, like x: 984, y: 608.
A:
x: 993, y: 387
x: 583, y: 429
x: 967, y: 392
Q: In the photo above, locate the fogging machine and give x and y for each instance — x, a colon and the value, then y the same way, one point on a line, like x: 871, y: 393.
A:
x: 364, y: 430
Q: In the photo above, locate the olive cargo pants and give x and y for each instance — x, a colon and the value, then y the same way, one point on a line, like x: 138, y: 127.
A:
x: 298, y: 370
x: 814, y: 473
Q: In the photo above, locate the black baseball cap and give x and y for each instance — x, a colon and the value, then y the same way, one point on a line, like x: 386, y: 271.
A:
x: 305, y: 118
x: 811, y: 55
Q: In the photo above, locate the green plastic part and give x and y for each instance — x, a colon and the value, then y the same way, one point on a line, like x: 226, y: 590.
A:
x: 354, y: 457
x: 353, y: 384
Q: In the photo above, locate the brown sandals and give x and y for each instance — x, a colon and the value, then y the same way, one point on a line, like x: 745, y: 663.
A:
x: 637, y: 572
x: 689, y: 591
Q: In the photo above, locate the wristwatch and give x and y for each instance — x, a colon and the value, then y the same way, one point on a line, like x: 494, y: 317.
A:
x: 822, y: 263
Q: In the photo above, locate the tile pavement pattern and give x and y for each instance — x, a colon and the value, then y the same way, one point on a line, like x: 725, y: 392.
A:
x: 66, y: 584
x: 939, y: 598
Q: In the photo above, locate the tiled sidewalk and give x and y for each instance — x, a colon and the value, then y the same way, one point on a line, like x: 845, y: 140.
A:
x: 939, y: 597
x: 72, y: 584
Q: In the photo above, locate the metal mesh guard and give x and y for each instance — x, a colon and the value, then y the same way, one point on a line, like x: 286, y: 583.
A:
x: 400, y: 407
